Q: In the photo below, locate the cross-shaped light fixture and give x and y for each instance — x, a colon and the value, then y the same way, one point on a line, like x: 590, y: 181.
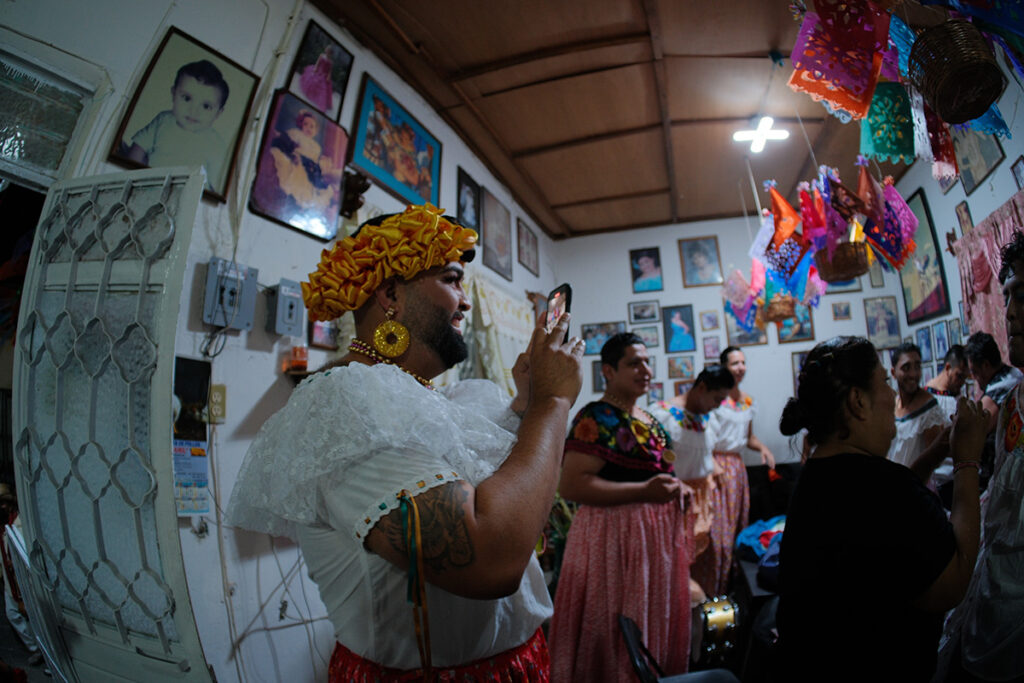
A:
x: 758, y: 137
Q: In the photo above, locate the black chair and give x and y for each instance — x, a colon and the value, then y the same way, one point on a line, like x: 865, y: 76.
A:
x: 648, y: 671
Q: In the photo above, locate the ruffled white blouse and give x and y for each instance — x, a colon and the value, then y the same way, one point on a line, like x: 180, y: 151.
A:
x: 730, y: 424
x: 330, y: 464
x: 909, y: 441
x: 691, y: 440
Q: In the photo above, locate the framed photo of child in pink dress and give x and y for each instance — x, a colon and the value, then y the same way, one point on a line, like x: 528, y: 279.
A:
x: 320, y: 72
x: 187, y: 110
x: 299, y: 169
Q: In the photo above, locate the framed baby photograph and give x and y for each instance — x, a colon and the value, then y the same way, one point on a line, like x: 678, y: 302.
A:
x: 644, y: 312
x: 189, y: 109
x: 712, y: 348
x: 645, y: 270
x: 393, y: 148
x: 649, y: 335
x: 299, y: 168
x: 320, y: 72
x: 527, y: 253
x: 701, y: 265
x: 680, y: 367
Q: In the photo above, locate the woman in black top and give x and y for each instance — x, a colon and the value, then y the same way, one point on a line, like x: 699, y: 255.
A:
x: 869, y: 562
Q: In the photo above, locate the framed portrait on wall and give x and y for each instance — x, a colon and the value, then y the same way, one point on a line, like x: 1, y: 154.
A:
x: 977, y: 155
x: 955, y: 333
x: 678, y: 327
x: 963, y: 217
x: 712, y: 347
x: 299, y: 168
x: 497, y: 235
x: 527, y: 252
x: 798, y: 328
x: 188, y: 110
x: 941, y: 337
x: 645, y: 270
x: 701, y: 264
x: 680, y: 367
x: 841, y: 310
x: 947, y: 183
x: 1018, y: 172
x: 708, y: 320
x: 649, y: 335
x: 843, y: 287
x: 468, y: 201
x: 597, y: 381
x: 923, y: 339
x: 875, y: 274
x: 323, y: 334
x: 644, y: 311
x: 596, y: 334
x: 656, y: 392
x: 320, y: 72
x: 923, y: 279
x: 883, y: 321
x: 393, y: 148
x: 737, y: 336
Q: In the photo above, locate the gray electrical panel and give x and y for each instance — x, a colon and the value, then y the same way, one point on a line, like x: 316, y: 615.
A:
x: 284, y: 308
x: 230, y: 299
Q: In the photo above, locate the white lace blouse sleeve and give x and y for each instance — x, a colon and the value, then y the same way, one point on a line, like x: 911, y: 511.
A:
x: 358, y: 435
x: 487, y: 398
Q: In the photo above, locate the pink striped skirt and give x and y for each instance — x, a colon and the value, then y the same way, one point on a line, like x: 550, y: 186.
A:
x: 627, y: 559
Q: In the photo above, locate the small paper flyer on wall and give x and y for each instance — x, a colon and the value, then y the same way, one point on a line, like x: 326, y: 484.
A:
x: 190, y: 442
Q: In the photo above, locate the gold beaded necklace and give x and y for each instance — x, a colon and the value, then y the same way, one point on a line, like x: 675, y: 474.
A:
x: 364, y: 349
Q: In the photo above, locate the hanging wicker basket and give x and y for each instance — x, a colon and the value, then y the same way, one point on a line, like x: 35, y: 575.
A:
x: 849, y: 260
x: 954, y: 69
x: 781, y: 307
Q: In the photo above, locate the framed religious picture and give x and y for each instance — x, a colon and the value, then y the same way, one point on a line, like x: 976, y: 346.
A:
x: 712, y: 347
x: 797, y: 361
x: 701, y: 264
x: 597, y: 381
x: 323, y: 334
x: 708, y: 320
x: 923, y: 339
x: 393, y: 148
x: 963, y: 217
x: 678, y: 327
x: 977, y: 155
x: 527, y: 251
x: 497, y: 235
x: 596, y: 334
x: 645, y: 270
x: 680, y: 367
x: 882, y: 316
x: 189, y: 109
x: 798, y: 328
x: 468, y: 201
x: 299, y: 168
x: 644, y: 312
x: 923, y: 278
x: 649, y: 335
x: 841, y: 310
x: 1018, y: 172
x: 941, y: 336
x: 737, y: 336
x: 320, y: 72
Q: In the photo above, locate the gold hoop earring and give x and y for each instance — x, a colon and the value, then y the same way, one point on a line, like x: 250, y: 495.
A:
x: 391, y: 338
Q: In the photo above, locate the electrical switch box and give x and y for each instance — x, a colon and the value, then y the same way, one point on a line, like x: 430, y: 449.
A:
x: 284, y: 308
x: 218, y: 403
x: 230, y: 299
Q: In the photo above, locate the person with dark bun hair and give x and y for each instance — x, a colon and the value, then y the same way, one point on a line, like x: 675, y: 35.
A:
x: 864, y: 537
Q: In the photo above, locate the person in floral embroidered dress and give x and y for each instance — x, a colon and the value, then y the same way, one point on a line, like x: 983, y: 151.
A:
x: 628, y: 550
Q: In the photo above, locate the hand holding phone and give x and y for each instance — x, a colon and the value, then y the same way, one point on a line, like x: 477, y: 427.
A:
x: 559, y: 301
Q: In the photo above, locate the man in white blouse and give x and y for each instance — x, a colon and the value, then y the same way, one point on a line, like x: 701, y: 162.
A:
x: 397, y: 492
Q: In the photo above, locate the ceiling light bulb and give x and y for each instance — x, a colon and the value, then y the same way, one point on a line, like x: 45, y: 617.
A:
x: 763, y: 133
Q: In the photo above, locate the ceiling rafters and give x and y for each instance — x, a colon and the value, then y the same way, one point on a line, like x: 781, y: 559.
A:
x: 661, y: 88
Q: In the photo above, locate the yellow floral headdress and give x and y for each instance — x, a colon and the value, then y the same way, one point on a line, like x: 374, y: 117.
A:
x: 403, y: 244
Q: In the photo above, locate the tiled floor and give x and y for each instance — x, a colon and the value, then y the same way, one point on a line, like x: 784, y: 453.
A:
x: 14, y: 654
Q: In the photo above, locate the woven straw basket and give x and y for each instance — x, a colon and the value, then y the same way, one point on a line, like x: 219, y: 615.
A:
x: 956, y: 72
x: 849, y: 260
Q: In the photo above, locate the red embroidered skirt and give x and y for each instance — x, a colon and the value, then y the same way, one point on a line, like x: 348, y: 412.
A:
x: 526, y: 663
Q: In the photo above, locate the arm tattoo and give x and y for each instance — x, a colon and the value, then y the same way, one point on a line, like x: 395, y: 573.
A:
x: 446, y: 542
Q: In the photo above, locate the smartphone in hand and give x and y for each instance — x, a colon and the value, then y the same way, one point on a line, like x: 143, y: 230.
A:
x: 559, y: 301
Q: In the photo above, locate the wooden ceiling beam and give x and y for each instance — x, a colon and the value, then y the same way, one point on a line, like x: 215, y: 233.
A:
x: 611, y: 198
x: 661, y: 87
x: 547, y: 53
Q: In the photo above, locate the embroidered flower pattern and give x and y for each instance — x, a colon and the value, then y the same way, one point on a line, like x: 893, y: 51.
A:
x: 1014, y: 426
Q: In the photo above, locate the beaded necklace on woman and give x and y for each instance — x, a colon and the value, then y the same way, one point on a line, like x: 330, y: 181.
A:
x: 661, y: 438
